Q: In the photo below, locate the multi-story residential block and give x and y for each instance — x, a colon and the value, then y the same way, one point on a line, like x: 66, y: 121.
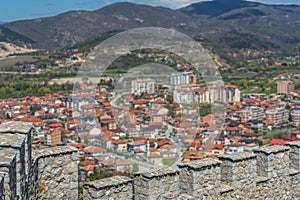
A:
x: 183, y: 78
x: 53, y: 138
x: 296, y: 117
x: 185, y: 96
x: 285, y: 87
x: 278, y: 116
x: 207, y: 94
x: 217, y: 93
x: 251, y: 113
x: 139, y: 86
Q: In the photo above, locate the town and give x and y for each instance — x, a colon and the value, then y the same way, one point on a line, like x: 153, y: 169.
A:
x: 150, y: 122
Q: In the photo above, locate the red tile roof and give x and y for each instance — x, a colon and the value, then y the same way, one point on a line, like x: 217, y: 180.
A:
x: 276, y: 141
x: 87, y: 162
x: 94, y: 149
x: 118, y: 141
x: 77, y: 145
x: 56, y: 125
x: 218, y: 146
x: 88, y: 168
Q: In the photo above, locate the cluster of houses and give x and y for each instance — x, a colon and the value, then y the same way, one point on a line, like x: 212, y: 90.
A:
x: 149, y: 128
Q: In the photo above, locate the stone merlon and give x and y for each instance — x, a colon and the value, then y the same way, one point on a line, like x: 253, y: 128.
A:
x: 118, y: 187
x: 271, y: 149
x: 7, y: 156
x: 200, y: 164
x: 158, y: 173
x: 52, y: 174
x: 108, y: 182
x: 296, y: 144
x: 54, y: 151
x: 15, y: 127
x: 237, y: 156
x: 12, y: 140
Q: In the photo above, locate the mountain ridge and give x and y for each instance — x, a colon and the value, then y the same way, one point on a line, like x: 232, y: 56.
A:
x: 216, y: 7
x: 225, y: 27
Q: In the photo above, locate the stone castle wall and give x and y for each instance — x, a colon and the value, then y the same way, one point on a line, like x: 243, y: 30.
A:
x: 118, y: 187
x: 156, y: 184
x: 56, y: 171
x: 271, y: 172
x: 46, y: 174
x: 8, y: 172
x: 2, y: 191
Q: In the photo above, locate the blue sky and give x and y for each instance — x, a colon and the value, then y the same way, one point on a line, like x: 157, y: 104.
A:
x: 12, y: 10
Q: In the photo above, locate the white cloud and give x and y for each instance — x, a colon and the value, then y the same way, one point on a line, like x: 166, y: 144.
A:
x: 168, y: 3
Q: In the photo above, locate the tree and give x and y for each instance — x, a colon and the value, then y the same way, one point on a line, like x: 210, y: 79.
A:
x: 44, y: 90
x: 170, y: 98
x: 259, y: 142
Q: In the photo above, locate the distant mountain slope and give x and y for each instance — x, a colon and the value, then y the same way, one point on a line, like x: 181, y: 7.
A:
x: 249, y: 25
x: 70, y: 28
x: 8, y: 48
x: 216, y: 7
x: 225, y: 25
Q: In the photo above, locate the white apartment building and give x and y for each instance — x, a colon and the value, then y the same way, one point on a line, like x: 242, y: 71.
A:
x: 221, y: 94
x: 183, y: 78
x: 139, y: 86
x: 183, y: 96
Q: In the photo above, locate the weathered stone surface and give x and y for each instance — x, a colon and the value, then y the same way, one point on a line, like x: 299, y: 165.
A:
x: 294, y: 155
x: 273, y: 161
x: 237, y: 156
x: 8, y: 171
x: 200, y: 164
x: 272, y: 149
x: 271, y: 173
x: 15, y: 127
x: 2, y: 190
x: 118, y: 187
x: 200, y: 178
x: 17, y: 141
x: 15, y: 134
x: 162, y: 183
x: 57, y: 173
